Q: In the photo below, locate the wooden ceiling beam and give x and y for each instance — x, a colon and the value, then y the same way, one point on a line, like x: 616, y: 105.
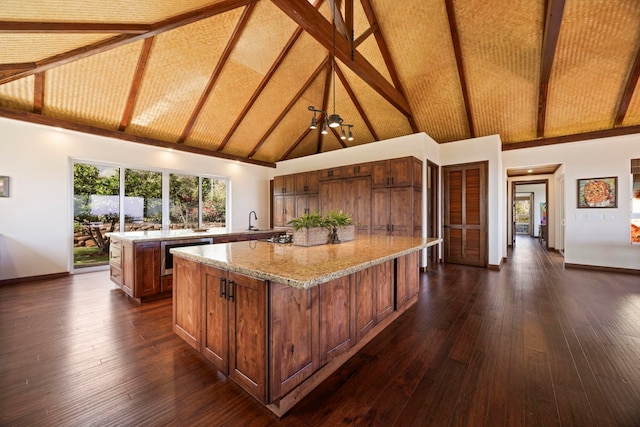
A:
x: 38, y: 93
x: 462, y: 76
x: 386, y: 55
x: 362, y: 37
x: 553, y: 20
x: 340, y: 24
x: 135, y: 84
x: 72, y: 27
x: 288, y: 108
x: 231, y: 44
x: 29, y: 117
x: 320, y: 29
x: 122, y: 39
x: 325, y: 103
x: 632, y: 83
x: 355, y: 101
x: 605, y: 133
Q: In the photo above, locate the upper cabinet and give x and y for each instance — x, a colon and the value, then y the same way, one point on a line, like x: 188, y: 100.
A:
x: 284, y: 184
x: 401, y: 172
x: 306, y: 182
x: 362, y: 169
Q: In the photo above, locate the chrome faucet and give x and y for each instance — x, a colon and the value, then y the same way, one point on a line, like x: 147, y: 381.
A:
x: 254, y: 216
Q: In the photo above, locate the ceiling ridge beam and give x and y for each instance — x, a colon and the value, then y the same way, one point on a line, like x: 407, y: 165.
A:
x: 72, y: 27
x: 29, y: 117
x: 231, y: 44
x: 295, y: 144
x: 123, y: 39
x: 263, y: 84
x: 325, y: 102
x: 457, y: 49
x: 38, y: 92
x: 135, y: 84
x: 357, y: 104
x: 286, y: 110
x: 598, y: 134
x: 321, y: 30
x: 386, y: 56
x: 625, y: 100
x: 552, y: 23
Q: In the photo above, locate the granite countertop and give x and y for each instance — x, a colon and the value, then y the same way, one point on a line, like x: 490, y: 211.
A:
x: 303, y: 267
x: 159, y: 235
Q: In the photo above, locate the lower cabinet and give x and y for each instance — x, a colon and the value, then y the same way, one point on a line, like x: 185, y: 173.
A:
x: 407, y: 279
x: 147, y: 268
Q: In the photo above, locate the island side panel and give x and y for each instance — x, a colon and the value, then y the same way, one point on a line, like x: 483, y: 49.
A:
x: 215, y: 339
x: 295, y: 343
x: 385, y: 290
x: 365, y: 301
x: 407, y: 280
x: 187, y: 300
x: 337, y: 317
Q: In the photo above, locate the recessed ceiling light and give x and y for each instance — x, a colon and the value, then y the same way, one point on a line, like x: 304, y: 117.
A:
x: 530, y: 170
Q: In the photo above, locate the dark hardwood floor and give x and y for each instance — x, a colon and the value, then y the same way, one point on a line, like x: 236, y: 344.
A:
x: 533, y: 344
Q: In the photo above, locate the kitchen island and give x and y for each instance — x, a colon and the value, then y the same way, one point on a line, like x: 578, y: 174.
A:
x: 278, y: 319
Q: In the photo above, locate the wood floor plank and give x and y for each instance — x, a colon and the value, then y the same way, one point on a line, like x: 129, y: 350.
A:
x: 531, y: 344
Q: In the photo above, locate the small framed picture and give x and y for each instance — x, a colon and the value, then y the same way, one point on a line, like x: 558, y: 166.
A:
x: 598, y: 192
x: 4, y: 186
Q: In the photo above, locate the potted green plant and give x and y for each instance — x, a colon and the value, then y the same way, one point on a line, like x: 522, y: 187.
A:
x: 340, y: 225
x: 309, y: 230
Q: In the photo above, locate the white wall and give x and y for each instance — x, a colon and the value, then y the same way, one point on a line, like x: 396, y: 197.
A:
x: 35, y: 221
x: 597, y: 237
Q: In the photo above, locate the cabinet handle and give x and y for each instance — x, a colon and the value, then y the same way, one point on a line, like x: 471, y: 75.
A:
x: 232, y: 285
x: 223, y: 287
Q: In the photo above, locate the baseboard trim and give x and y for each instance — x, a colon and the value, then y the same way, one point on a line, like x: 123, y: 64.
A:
x: 601, y: 268
x: 33, y: 278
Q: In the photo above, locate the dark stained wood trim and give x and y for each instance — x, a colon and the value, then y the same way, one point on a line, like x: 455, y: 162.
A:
x: 339, y: 22
x: 325, y: 103
x: 553, y: 20
x: 109, y: 133
x: 321, y: 30
x: 286, y: 110
x: 455, y: 39
x: 33, y: 278
x: 601, y: 268
x: 260, y: 88
x: 632, y: 83
x: 135, y: 84
x: 355, y: 101
x: 296, y: 143
x: 605, y: 133
x: 123, y: 39
x: 38, y: 92
x: 72, y: 27
x: 386, y: 55
x: 362, y: 37
x: 231, y: 44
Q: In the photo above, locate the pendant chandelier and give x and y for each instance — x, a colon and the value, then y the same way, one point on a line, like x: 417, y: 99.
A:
x: 332, y: 120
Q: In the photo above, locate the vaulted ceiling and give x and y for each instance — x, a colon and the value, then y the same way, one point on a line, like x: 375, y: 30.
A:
x: 235, y: 78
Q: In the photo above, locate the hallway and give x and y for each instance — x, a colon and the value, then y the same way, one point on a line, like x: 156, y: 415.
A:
x: 531, y: 344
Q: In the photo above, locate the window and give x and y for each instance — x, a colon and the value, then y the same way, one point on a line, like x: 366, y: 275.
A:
x: 142, y: 200
x: 183, y: 201
x: 214, y: 203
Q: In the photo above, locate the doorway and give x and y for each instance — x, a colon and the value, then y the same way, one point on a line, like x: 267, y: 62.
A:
x: 530, y: 204
x: 432, y: 187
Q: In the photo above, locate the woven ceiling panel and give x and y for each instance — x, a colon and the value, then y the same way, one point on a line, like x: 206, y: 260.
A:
x: 93, y: 90
x: 17, y: 94
x: 369, y: 49
x: 387, y: 121
x: 632, y: 117
x: 119, y: 11
x: 180, y: 65
x: 307, y: 147
x: 597, y: 45
x: 500, y: 42
x: 420, y: 41
x: 263, y: 39
x: 17, y: 48
x: 360, y: 21
x: 303, y: 59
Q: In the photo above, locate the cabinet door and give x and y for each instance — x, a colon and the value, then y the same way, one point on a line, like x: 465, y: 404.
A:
x: 248, y: 333
x: 365, y: 301
x: 284, y: 184
x: 380, y: 174
x: 187, y: 301
x: 306, y: 182
x: 380, y: 207
x: 401, y: 171
x: 357, y: 202
x: 384, y: 290
x: 215, y: 341
x: 284, y: 210
x: 401, y: 211
x: 337, y: 332
x: 407, y: 278
x: 147, y: 269
x: 278, y: 184
x: 331, y: 196
x: 331, y: 173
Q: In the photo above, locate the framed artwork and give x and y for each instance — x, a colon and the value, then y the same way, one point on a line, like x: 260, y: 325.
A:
x: 598, y: 192
x: 4, y: 186
x: 543, y: 213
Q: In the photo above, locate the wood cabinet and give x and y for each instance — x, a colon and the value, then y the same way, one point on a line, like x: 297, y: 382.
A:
x: 331, y: 173
x: 116, y: 262
x: 331, y: 196
x: 407, y: 279
x: 284, y: 210
x: 284, y: 184
x: 146, y: 266
x: 337, y: 328
x: 400, y: 172
x: 306, y: 182
x: 361, y: 169
x: 306, y: 204
x: 394, y: 211
x: 357, y: 202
